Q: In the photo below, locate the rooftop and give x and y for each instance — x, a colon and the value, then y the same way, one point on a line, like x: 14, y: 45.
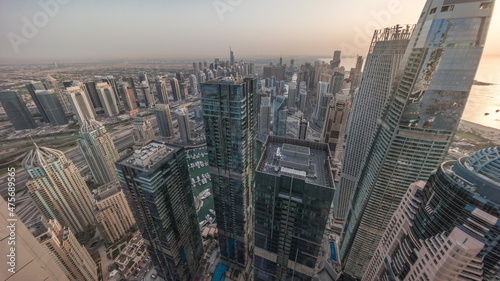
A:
x: 148, y: 155
x: 298, y: 159
x: 107, y: 190
x: 225, y: 80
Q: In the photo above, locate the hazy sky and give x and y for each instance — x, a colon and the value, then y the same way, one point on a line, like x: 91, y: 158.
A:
x: 116, y: 29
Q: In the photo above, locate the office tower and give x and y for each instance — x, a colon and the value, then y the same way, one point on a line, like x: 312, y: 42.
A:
x: 58, y: 189
x: 231, y: 56
x: 52, y: 107
x: 383, y: 59
x: 293, y: 194
x: 336, y: 83
x: 420, y: 121
x: 292, y: 93
x: 447, y: 228
x: 335, y: 124
x: 51, y: 83
x: 281, y: 62
x: 16, y: 110
x: 113, y: 214
x: 193, y: 84
x: 176, y: 90
x: 276, y: 71
x: 322, y: 91
x: 183, y: 123
x: 265, y: 115
x: 127, y: 95
x: 303, y: 125
x: 229, y: 128
x: 72, y: 257
x: 32, y: 87
x: 99, y: 151
x: 156, y: 182
x: 107, y: 98
x: 161, y: 91
x: 143, y: 76
x: 130, y: 81
x: 280, y: 116
x: 179, y: 76
x: 80, y: 104
x: 302, y: 88
x: 184, y: 90
x: 335, y: 62
x: 356, y: 74
x: 92, y: 91
x: 195, y: 67
x: 36, y: 263
x: 147, y: 98
x: 251, y: 68
x: 164, y: 120
x: 110, y: 79
x: 142, y: 132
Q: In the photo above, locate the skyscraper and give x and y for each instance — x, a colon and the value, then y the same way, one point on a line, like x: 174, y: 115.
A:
x: 32, y: 87
x: 99, y: 151
x: 229, y: 128
x: 280, y: 116
x: 128, y: 97
x: 447, y: 228
x: 231, y: 57
x: 176, y: 90
x: 113, y: 214
x: 323, y: 99
x: 71, y: 256
x: 161, y: 90
x: 80, y: 103
x: 142, y: 132
x: 92, y: 91
x: 293, y: 194
x: 292, y: 94
x: 52, y: 84
x: 183, y: 123
x: 335, y: 62
x: 335, y: 123
x: 387, y: 49
x: 107, y: 98
x: 58, y: 189
x: 265, y: 115
x: 143, y: 76
x: 52, y: 106
x: 193, y: 84
x: 147, y: 97
x: 164, y: 120
x: 16, y: 110
x: 336, y: 82
x: 156, y: 182
x: 303, y: 125
x: 110, y: 79
x: 420, y: 121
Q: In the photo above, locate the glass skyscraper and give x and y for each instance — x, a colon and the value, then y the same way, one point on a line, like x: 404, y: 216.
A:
x: 447, y: 228
x: 293, y: 195
x: 386, y: 51
x: 16, y: 110
x: 155, y: 180
x: 229, y: 129
x: 419, y: 123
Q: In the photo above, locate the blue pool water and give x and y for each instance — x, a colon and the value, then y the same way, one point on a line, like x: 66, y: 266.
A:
x: 333, y: 252
x: 219, y: 272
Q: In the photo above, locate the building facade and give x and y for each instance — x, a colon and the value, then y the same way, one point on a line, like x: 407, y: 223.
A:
x: 58, y: 189
x: 293, y: 195
x: 16, y: 110
x: 418, y: 126
x: 183, y: 123
x: 113, y: 214
x: 229, y: 129
x: 447, y: 228
x: 52, y: 107
x: 156, y: 182
x: 99, y: 151
x: 164, y: 120
x: 107, y: 97
x: 80, y: 103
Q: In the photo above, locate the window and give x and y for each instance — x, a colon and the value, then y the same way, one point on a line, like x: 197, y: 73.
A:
x: 485, y: 5
x: 447, y: 8
x: 433, y: 10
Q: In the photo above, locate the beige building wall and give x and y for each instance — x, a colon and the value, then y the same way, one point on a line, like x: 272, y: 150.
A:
x: 33, y: 261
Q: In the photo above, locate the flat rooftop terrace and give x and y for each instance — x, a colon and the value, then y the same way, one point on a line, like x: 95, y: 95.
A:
x: 297, y: 159
x: 147, y: 156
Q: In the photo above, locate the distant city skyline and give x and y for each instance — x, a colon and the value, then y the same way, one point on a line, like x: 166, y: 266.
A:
x: 73, y: 30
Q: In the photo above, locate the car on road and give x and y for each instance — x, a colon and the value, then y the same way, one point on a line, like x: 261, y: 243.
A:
x: 153, y: 276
